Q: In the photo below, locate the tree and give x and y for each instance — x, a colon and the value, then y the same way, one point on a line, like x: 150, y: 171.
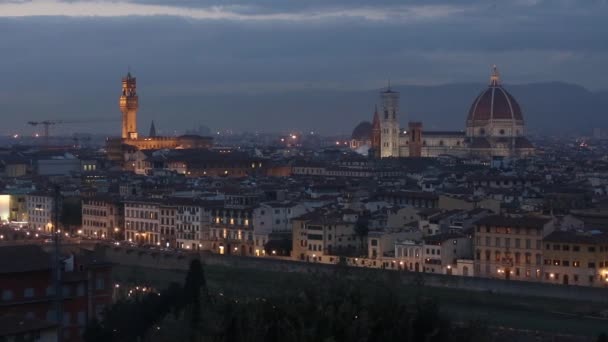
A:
x: 362, y: 229
x: 95, y: 332
x: 195, y: 292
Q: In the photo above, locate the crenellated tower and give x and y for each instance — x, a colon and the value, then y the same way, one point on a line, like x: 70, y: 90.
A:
x: 128, y: 106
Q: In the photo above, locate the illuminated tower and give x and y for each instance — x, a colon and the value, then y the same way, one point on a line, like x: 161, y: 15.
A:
x: 128, y: 107
x: 389, y: 123
x: 376, y: 131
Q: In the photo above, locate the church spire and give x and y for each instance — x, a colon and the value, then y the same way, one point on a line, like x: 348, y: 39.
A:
x: 152, y: 130
x: 495, y: 78
x: 376, y: 120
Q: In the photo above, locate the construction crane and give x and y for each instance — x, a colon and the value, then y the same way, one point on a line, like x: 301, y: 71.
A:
x: 47, y: 123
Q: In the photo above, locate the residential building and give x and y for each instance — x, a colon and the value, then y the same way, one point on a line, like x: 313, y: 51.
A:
x: 442, y: 251
x: 40, y: 211
x: 510, y: 247
x: 27, y: 288
x: 102, y: 217
x: 576, y: 258
x: 326, y: 233
x: 142, y: 221
x: 273, y: 217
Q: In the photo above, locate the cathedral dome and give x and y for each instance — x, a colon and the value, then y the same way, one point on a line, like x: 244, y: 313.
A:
x: 494, y: 104
x: 363, y: 131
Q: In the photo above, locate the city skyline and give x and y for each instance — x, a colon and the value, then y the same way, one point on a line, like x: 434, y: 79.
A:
x: 212, y: 49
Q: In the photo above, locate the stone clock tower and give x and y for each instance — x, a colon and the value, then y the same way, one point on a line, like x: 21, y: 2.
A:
x: 128, y: 106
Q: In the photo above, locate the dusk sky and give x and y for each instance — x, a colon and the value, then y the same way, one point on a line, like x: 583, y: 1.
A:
x: 205, y: 47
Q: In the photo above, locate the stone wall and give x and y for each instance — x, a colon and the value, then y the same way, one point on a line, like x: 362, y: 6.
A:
x: 141, y: 265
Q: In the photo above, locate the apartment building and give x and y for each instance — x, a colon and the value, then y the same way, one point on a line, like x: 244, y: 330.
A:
x: 326, y: 233
x: 576, y: 258
x: 510, y: 247
x: 273, y: 218
x: 40, y: 211
x: 142, y: 221
x: 102, y: 217
x: 231, y: 226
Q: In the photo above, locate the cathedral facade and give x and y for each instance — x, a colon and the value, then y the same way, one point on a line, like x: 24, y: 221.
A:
x: 494, y: 127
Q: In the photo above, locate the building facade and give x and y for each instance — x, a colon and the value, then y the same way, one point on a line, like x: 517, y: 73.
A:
x: 576, y: 258
x: 494, y: 127
x: 27, y: 289
x: 510, y: 247
x: 130, y: 139
x: 102, y: 217
x: 40, y: 211
x: 142, y: 221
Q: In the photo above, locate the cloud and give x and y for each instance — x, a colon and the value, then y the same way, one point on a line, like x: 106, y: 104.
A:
x: 234, y: 12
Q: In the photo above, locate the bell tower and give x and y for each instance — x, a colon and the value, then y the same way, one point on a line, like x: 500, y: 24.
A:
x: 389, y: 123
x: 128, y: 106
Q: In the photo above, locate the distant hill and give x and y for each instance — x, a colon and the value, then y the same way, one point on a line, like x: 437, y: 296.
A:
x: 548, y: 108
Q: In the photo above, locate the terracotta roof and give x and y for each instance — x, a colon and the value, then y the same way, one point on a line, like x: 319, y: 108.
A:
x: 363, y: 131
x: 494, y: 103
x: 439, y: 238
x: 535, y: 222
x: 479, y: 143
x: 25, y: 258
x: 444, y: 133
x: 590, y: 238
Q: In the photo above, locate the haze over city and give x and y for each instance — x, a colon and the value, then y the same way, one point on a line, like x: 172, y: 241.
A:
x: 281, y: 65
x: 306, y: 171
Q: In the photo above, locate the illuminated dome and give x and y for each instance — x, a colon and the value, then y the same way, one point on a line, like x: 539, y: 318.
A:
x: 495, y: 112
x: 363, y: 131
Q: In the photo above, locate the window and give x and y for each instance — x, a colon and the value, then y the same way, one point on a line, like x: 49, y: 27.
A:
x: 80, y: 290
x: 576, y: 248
x: 28, y: 292
x: 591, y: 249
x: 7, y: 295
x: 591, y: 265
x: 81, y: 318
x: 556, y: 247
x: 576, y: 264
x: 566, y: 247
x: 565, y: 263
x: 99, y: 283
x: 66, y: 319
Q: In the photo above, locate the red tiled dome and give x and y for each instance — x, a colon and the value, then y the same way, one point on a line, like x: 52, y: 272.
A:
x: 494, y: 103
x: 363, y: 131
